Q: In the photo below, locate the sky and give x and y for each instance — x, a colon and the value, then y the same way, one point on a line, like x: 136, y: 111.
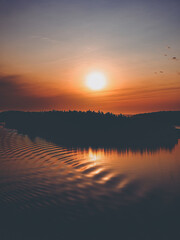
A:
x: 48, y: 47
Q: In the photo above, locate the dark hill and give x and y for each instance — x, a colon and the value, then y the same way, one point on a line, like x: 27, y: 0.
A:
x: 95, y: 128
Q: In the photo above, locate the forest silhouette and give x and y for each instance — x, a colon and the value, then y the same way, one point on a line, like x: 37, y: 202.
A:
x: 97, y: 129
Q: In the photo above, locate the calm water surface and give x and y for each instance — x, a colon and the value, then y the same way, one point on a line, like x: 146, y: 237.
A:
x: 53, y: 192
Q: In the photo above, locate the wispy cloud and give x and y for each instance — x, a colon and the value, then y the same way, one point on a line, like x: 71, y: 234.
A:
x: 45, y: 38
x: 18, y: 94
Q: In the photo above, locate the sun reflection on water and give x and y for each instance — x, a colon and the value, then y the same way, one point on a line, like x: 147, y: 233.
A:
x: 40, y: 168
x: 154, y: 167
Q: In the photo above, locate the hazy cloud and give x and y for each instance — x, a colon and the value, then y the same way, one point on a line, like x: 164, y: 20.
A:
x: 20, y: 95
x: 16, y: 94
x: 143, y: 92
x: 45, y: 38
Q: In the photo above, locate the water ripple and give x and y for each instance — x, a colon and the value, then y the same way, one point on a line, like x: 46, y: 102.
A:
x: 36, y: 174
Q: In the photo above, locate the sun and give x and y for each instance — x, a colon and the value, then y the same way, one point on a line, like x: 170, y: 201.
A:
x: 96, y: 81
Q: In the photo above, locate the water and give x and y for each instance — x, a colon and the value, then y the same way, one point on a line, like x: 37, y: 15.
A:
x: 53, y: 192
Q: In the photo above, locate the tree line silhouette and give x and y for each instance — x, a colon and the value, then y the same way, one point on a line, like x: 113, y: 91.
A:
x: 80, y: 128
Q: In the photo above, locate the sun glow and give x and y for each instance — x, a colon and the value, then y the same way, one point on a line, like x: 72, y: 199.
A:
x: 96, y: 81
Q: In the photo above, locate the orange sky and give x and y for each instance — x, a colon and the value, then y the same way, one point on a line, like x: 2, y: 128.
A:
x: 48, y: 48
x: 18, y: 94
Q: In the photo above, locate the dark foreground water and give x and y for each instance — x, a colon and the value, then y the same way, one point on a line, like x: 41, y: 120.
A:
x: 53, y: 192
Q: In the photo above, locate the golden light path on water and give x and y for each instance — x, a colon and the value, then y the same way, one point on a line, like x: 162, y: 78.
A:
x: 37, y: 173
x: 152, y: 168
